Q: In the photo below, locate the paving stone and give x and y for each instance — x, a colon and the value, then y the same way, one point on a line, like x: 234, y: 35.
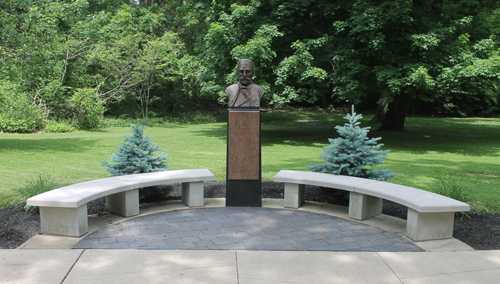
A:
x: 334, y: 240
x: 337, y: 247
x: 96, y: 235
x: 267, y: 237
x: 203, y: 243
x: 302, y: 239
x: 125, y: 239
x: 207, y: 237
x: 177, y: 234
x: 122, y: 245
x: 131, y: 232
x: 368, y: 238
x: 351, y: 246
x: 159, y: 236
x: 305, y: 245
x: 186, y: 245
x: 143, y: 238
x: 115, y: 234
x: 281, y: 247
x: 168, y: 246
x: 155, y: 242
x: 190, y: 239
x: 318, y: 237
x: 149, y: 231
x: 107, y: 240
x: 223, y: 241
x: 99, y: 246
x: 137, y: 244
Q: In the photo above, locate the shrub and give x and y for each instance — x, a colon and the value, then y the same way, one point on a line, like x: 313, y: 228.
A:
x: 19, y: 115
x: 34, y: 186
x: 453, y: 188
x: 58, y: 127
x: 352, y: 152
x: 136, y: 156
x: 17, y: 125
x: 87, y: 108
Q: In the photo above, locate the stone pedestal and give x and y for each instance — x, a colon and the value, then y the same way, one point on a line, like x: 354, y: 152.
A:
x: 243, y: 184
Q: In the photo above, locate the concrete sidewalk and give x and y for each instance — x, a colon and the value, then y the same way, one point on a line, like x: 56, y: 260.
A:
x: 50, y: 259
x: 259, y: 267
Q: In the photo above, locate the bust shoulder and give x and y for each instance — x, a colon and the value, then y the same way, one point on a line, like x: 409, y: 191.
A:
x: 232, y: 89
x: 258, y: 89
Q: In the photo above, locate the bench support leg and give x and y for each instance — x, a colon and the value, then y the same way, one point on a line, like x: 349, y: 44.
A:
x: 124, y: 203
x: 294, y: 195
x: 192, y: 194
x: 64, y: 221
x: 429, y: 226
x: 362, y: 206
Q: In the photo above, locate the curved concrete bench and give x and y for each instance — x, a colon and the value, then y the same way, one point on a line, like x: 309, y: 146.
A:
x: 430, y: 215
x: 63, y: 211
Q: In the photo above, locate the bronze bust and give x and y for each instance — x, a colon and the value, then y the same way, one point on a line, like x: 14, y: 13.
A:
x: 245, y: 93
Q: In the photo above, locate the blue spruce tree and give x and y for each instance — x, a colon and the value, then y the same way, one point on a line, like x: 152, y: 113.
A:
x: 136, y: 155
x: 352, y: 152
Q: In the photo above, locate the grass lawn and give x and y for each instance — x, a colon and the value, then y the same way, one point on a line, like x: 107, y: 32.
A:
x: 467, y: 150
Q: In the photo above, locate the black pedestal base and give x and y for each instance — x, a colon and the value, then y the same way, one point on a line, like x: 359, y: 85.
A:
x: 243, y: 193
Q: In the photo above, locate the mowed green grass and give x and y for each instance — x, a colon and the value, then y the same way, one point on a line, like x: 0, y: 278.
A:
x: 465, y: 149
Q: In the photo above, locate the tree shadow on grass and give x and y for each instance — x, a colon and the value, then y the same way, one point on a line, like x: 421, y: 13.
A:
x: 286, y: 135
x: 422, y: 142
x: 40, y: 145
x: 295, y: 163
x: 427, y: 171
x: 415, y: 142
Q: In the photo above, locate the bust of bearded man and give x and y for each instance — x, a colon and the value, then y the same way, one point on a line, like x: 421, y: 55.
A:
x: 245, y: 93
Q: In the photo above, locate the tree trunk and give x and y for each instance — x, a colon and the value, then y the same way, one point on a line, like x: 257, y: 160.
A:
x: 324, y: 102
x: 396, y: 114
x: 381, y: 108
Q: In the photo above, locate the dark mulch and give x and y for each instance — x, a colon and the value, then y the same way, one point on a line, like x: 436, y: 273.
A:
x: 479, y: 230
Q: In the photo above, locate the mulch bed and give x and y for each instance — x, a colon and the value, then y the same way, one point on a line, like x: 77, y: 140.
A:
x: 479, y: 230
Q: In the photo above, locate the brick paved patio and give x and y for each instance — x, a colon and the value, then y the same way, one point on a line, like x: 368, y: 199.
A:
x: 238, y: 228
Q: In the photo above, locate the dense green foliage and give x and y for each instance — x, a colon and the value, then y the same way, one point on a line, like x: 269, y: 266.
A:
x: 442, y: 53
x: 136, y: 155
x: 353, y: 153
x: 73, y: 61
x: 58, y: 127
x: 76, y: 60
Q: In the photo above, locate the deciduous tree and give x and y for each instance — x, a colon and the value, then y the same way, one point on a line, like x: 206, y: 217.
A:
x: 395, y: 50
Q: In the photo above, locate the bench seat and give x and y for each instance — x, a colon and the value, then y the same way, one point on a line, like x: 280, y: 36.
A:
x: 430, y: 215
x: 63, y: 211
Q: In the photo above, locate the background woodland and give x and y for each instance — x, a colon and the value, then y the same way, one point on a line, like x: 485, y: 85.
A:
x: 66, y: 64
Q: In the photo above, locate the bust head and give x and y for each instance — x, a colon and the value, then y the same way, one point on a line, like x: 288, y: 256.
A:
x: 245, y: 71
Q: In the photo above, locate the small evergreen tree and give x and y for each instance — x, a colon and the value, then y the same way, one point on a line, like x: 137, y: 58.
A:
x: 350, y: 153
x: 136, y: 155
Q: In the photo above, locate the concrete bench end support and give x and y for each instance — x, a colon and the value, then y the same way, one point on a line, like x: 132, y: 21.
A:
x: 192, y: 194
x: 294, y: 195
x: 64, y: 221
x: 362, y: 206
x: 124, y: 203
x: 429, y: 226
